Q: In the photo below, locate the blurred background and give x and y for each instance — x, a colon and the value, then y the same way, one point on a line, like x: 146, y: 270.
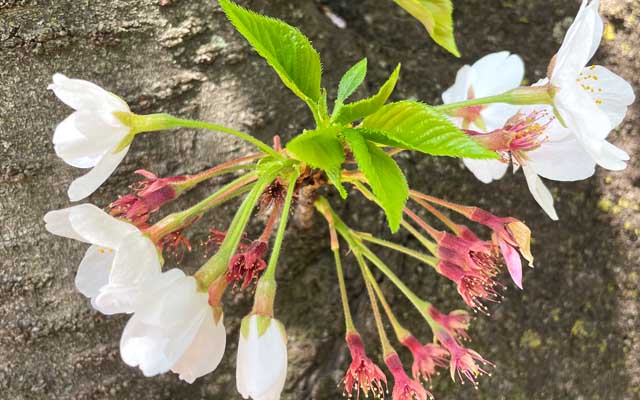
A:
x: 573, y: 333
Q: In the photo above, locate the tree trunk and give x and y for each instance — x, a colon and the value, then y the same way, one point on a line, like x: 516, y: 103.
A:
x: 572, y: 333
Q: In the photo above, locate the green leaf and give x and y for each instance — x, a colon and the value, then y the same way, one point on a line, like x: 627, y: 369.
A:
x: 284, y: 47
x: 437, y: 17
x: 360, y: 109
x: 383, y: 174
x: 352, y: 80
x: 424, y: 129
x: 322, y: 149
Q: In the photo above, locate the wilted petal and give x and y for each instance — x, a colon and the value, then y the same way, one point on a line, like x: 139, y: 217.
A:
x: 513, y: 261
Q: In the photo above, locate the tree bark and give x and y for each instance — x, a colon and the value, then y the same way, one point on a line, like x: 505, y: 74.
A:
x: 573, y: 331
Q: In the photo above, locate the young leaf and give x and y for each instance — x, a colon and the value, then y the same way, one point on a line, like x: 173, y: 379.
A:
x: 322, y: 149
x: 437, y: 17
x: 284, y: 47
x: 383, y: 174
x: 352, y: 80
x: 360, y: 109
x: 424, y: 129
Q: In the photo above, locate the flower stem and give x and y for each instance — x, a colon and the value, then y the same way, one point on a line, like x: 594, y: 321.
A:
x: 432, y: 247
x: 518, y: 96
x: 464, y: 210
x: 400, y: 331
x: 282, y: 227
x: 221, y: 169
x: 174, y: 122
x: 335, y: 248
x: 387, y: 348
x: 399, y: 248
x: 178, y: 220
x: 359, y: 248
x: 218, y: 263
x: 446, y: 220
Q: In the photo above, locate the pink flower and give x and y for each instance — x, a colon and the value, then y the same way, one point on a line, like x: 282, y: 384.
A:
x: 404, y: 388
x: 363, y: 374
x: 473, y: 287
x: 149, y: 195
x: 463, y: 362
x: 511, y: 235
x: 469, y: 252
x: 247, y: 265
x: 456, y: 323
x: 425, y: 358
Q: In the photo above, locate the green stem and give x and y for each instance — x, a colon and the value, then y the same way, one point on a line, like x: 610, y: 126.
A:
x: 400, y: 331
x: 224, y: 168
x: 188, y: 123
x: 282, y: 227
x: 219, y: 262
x: 358, y: 247
x: 387, y: 348
x: 178, y: 220
x: 399, y: 248
x: 431, y: 246
x: 348, y: 319
x: 519, y: 96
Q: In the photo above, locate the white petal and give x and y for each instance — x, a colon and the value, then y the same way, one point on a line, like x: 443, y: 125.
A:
x: 590, y: 125
x: 205, y: 351
x: 460, y: 89
x: 563, y: 160
x: 611, y: 93
x: 496, y: 115
x: 142, y: 345
x: 136, y: 260
x: 101, y: 127
x: 84, y: 95
x: 486, y: 170
x: 156, y: 346
x: 579, y: 45
x: 540, y: 192
x: 75, y: 148
x: 88, y: 183
x: 93, y: 272
x: 98, y: 227
x: 58, y: 223
x: 262, y: 362
x: 497, y: 73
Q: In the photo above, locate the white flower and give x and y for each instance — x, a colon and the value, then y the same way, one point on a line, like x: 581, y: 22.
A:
x: 591, y: 101
x: 89, y: 137
x: 118, y: 261
x: 261, y: 368
x: 173, y: 328
x: 534, y: 140
x: 491, y: 75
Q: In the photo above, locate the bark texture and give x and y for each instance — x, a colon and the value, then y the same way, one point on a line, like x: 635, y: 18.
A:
x: 573, y: 332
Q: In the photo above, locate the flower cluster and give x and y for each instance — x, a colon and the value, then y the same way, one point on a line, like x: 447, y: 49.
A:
x: 561, y: 139
x: 556, y: 129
